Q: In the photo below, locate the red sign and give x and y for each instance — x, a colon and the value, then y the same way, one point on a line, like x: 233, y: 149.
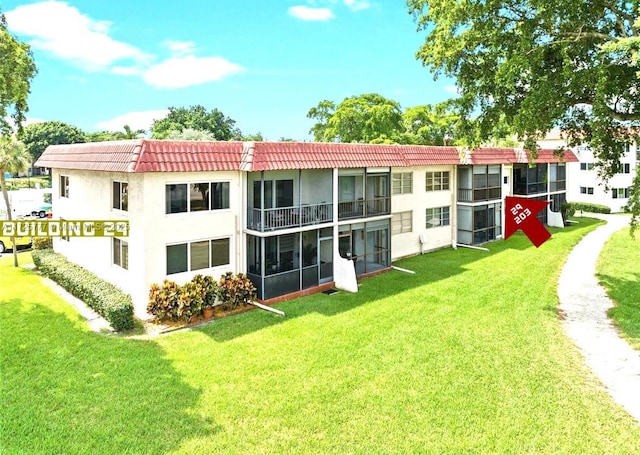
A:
x: 520, y: 213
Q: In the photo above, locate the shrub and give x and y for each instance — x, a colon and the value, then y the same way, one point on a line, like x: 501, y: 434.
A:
x: 106, y: 299
x: 174, y: 302
x: 567, y: 210
x: 42, y: 243
x: 235, y: 291
x: 163, y: 299
x: 593, y: 208
x: 209, y: 289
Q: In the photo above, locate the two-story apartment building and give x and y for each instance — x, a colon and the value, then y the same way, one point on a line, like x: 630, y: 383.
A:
x: 289, y: 215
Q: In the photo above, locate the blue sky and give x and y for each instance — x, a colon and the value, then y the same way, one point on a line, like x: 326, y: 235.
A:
x: 264, y: 63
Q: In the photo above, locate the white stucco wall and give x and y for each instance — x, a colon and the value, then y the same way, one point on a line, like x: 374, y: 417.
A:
x: 151, y: 230
x: 418, y: 201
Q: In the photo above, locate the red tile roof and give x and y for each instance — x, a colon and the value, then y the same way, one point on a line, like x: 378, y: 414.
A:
x: 325, y: 155
x: 149, y: 155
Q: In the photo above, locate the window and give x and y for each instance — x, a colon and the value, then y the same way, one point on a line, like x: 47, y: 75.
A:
x: 586, y: 190
x: 402, y: 222
x: 586, y: 166
x: 620, y: 193
x: 64, y: 186
x: 63, y: 236
x: 437, y: 181
x: 121, y: 253
x: 626, y: 168
x: 438, y: 216
x: 195, y: 197
x: 120, y: 194
x: 199, y: 255
x: 402, y: 183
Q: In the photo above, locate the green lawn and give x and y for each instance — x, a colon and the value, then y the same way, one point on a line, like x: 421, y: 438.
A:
x: 466, y: 356
x: 618, y: 270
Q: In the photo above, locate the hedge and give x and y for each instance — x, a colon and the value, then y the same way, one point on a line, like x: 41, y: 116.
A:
x: 592, y: 208
x: 106, y: 299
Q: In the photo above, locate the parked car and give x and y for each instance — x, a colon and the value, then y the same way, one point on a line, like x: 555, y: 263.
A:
x: 5, y: 243
x: 42, y: 211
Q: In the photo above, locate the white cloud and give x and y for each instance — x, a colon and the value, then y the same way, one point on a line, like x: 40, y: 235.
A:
x: 141, y: 120
x: 68, y: 34
x: 357, y: 5
x: 311, y: 14
x: 189, y: 70
x: 180, y: 48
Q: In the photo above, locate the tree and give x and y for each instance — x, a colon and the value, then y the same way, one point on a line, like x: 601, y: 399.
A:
x: 17, y: 69
x: 189, y: 134
x: 196, y: 117
x: 429, y: 125
x: 129, y: 133
x: 363, y: 118
x: 38, y: 136
x: 14, y: 158
x: 537, y: 65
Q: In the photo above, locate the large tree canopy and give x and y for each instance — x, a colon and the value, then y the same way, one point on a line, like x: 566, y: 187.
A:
x: 363, y: 118
x: 17, y: 68
x: 38, y: 136
x: 372, y: 118
x: 196, y: 118
x: 534, y: 65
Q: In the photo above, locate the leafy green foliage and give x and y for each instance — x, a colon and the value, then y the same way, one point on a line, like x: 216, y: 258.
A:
x: 197, y: 118
x: 533, y: 65
x: 17, y: 69
x: 589, y: 207
x: 174, y: 302
x: 106, y: 299
x: 371, y: 118
x: 42, y: 243
x: 38, y: 136
x: 364, y: 118
x: 235, y: 290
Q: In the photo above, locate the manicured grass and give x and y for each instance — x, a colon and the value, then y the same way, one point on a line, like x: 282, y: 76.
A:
x: 618, y: 270
x: 466, y: 356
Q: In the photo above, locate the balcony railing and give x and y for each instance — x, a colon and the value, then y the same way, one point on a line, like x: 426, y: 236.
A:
x: 361, y: 208
x: 289, y: 217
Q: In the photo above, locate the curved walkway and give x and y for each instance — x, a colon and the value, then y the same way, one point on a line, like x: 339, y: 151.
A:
x: 584, y: 305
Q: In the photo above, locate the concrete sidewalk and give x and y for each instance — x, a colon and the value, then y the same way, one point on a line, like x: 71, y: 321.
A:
x: 584, y: 304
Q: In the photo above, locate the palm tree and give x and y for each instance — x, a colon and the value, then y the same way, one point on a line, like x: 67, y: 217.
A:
x: 131, y: 134
x: 14, y: 157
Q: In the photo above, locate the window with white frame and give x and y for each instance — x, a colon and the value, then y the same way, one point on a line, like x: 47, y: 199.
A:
x: 64, y: 186
x: 120, y: 195
x: 586, y: 190
x: 401, y: 222
x: 402, y: 183
x: 195, y: 197
x: 437, y: 216
x: 437, y: 181
x: 620, y: 193
x: 120, y: 252
x: 586, y: 166
x: 198, y: 255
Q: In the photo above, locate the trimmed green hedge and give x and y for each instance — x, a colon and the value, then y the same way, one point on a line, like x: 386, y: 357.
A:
x: 106, y: 299
x: 593, y: 208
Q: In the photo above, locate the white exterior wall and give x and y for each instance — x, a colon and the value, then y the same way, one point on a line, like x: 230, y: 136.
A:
x: 90, y: 199
x: 418, y: 201
x: 151, y: 230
